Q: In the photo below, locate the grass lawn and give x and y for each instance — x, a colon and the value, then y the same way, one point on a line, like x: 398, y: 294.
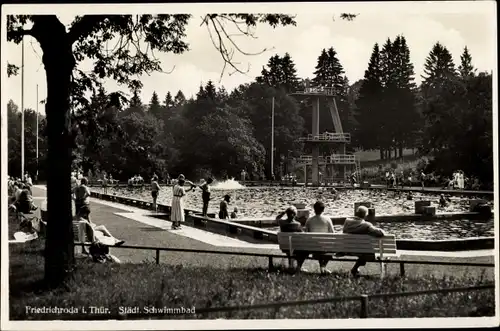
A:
x: 174, y: 286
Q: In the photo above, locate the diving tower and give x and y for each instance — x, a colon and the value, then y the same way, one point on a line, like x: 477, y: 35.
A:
x: 338, y: 138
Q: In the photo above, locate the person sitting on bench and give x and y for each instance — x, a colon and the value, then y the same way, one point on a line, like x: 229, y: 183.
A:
x: 23, y: 202
x: 290, y: 224
x: 358, y: 225
x: 94, y: 232
x: 320, y: 223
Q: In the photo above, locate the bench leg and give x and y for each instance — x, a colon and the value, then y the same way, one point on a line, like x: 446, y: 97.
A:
x: 271, y: 266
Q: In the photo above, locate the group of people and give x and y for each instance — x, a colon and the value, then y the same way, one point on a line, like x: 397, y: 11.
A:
x: 20, y: 195
x: 136, y: 180
x: 179, y: 191
x: 393, y: 179
x: 323, y: 224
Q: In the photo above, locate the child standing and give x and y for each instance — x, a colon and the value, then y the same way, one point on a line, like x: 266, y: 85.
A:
x: 155, y: 189
x: 205, y: 195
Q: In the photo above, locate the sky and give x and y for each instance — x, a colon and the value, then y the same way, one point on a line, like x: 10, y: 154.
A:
x: 453, y: 24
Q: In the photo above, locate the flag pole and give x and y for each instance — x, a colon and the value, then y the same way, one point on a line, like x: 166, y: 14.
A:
x: 272, y: 138
x: 22, y: 110
x: 36, y: 176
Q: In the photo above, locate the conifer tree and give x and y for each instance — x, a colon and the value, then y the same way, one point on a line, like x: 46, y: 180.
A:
x: 438, y: 108
x: 439, y: 67
x: 369, y: 102
x: 407, y: 119
x: 179, y: 99
x: 280, y: 73
x: 168, y: 103
x: 154, y: 105
x: 330, y: 73
x: 466, y: 68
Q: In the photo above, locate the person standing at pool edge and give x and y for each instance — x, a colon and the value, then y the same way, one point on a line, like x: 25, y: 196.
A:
x: 177, y: 210
x: 155, y: 189
x: 205, y: 195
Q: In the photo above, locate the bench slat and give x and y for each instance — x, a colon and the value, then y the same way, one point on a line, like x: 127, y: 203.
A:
x: 347, y: 244
x: 361, y: 242
x: 364, y: 238
x: 338, y: 249
x: 357, y: 238
x: 323, y: 234
x: 334, y: 246
x: 345, y: 240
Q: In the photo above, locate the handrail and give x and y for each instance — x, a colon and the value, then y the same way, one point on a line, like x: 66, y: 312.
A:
x: 205, y: 251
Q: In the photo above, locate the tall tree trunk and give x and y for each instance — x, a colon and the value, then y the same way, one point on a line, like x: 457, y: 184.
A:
x: 382, y: 154
x: 401, y: 150
x: 59, y: 63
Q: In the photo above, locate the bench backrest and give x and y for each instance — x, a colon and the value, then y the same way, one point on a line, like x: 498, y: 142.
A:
x: 337, y: 242
x: 79, y: 233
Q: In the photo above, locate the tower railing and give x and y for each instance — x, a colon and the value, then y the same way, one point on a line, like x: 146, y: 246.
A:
x: 329, y: 159
x: 328, y: 137
x: 321, y: 90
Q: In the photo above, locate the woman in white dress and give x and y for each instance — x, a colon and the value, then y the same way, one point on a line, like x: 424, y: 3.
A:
x: 177, y: 209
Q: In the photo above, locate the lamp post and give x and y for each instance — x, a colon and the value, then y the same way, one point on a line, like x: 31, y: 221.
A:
x: 36, y: 175
x: 22, y: 110
x: 272, y: 138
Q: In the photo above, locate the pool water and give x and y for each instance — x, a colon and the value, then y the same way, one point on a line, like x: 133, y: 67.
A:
x: 267, y: 202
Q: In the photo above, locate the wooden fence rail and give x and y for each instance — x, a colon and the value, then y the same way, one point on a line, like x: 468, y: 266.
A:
x: 278, y: 256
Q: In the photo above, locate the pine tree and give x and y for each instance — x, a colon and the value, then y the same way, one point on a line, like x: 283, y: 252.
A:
x: 330, y: 73
x: 369, y: 102
x: 407, y: 119
x: 169, y: 101
x: 290, y: 79
x: 439, y: 67
x: 154, y: 105
x: 136, y: 101
x: 322, y: 73
x: 179, y: 99
x: 442, y: 99
x: 466, y: 68
x: 280, y: 73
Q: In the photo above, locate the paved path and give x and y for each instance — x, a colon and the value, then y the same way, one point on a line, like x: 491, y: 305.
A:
x: 137, y: 228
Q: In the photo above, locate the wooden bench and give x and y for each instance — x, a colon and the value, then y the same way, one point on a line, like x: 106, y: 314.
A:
x: 80, y: 235
x: 331, y: 243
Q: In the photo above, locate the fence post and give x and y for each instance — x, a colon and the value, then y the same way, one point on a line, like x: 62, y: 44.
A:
x: 402, y: 269
x: 157, y: 256
x: 364, y: 306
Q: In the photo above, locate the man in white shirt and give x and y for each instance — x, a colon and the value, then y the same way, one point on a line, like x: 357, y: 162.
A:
x: 320, y: 223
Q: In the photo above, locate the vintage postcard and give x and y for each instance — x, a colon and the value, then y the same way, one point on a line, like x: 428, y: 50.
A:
x: 249, y: 165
